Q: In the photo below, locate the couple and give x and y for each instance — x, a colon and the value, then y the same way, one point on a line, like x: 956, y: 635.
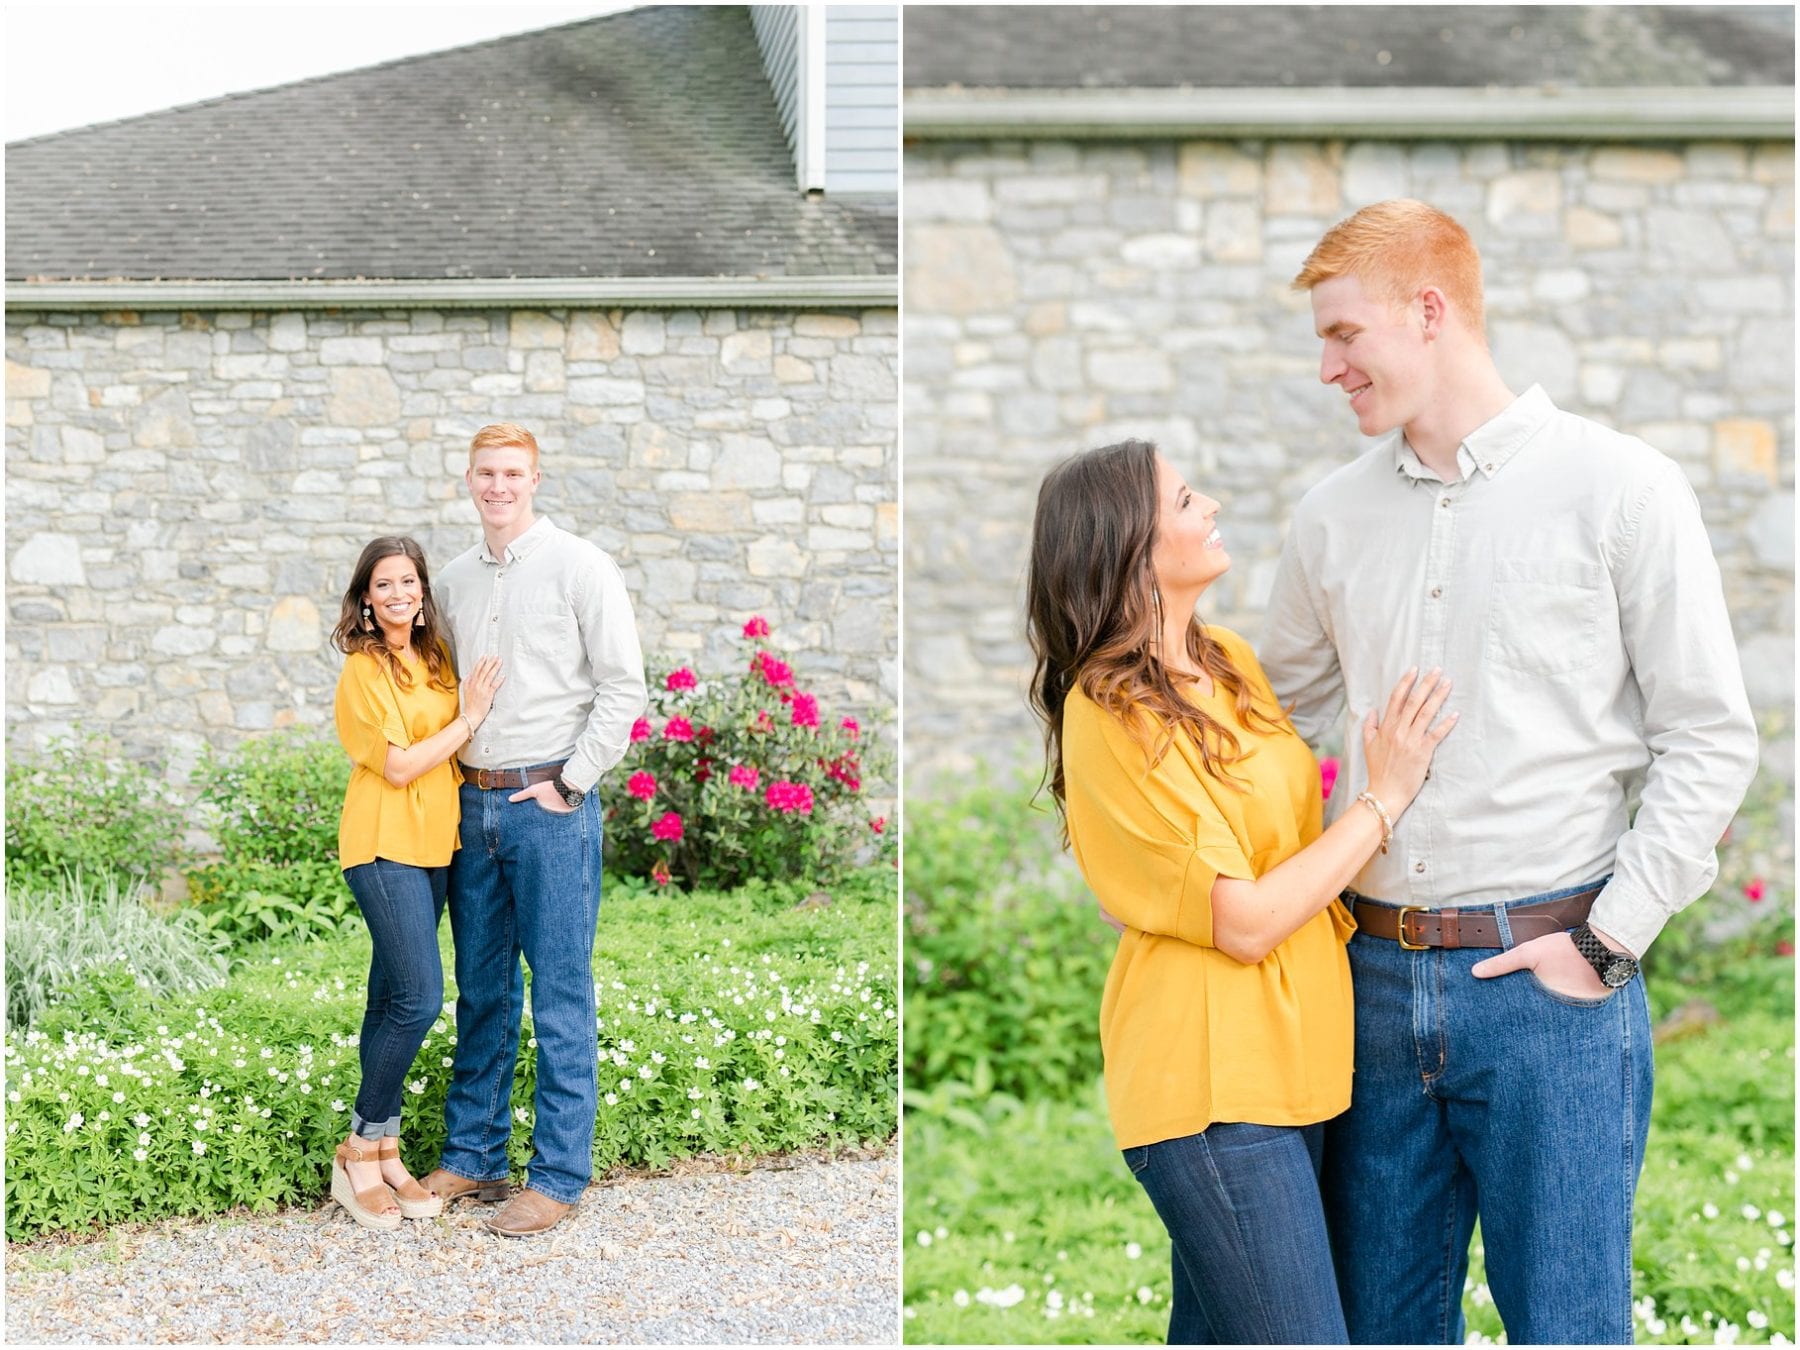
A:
x: 540, y: 623
x: 1521, y: 610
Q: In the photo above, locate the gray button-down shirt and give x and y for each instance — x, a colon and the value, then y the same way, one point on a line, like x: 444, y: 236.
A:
x: 1566, y: 585
x: 554, y: 609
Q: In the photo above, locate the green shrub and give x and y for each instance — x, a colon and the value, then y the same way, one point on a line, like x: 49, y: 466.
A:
x: 250, y: 901
x: 724, y: 1028
x: 742, y: 776
x: 82, y: 807
x: 273, y: 806
x: 1006, y: 955
x: 59, y: 937
x: 276, y: 798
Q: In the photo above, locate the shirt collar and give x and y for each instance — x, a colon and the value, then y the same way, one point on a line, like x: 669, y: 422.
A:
x: 1487, y: 448
x: 523, y: 545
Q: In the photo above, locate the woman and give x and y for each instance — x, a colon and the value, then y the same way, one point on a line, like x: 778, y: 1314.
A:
x: 1193, y: 810
x: 397, y: 717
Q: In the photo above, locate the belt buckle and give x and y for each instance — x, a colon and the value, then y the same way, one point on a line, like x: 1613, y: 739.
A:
x: 1400, y: 929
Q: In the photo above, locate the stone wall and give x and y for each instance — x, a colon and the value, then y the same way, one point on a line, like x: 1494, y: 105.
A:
x: 187, y: 492
x: 1062, y: 295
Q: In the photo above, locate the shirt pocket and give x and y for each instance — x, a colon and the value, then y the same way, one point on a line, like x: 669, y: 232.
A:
x: 1544, y: 618
x: 551, y: 636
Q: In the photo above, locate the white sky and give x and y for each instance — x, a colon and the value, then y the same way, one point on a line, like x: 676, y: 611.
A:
x: 70, y: 63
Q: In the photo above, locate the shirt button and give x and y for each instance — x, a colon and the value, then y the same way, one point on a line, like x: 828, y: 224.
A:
x: 1445, y: 503
x: 1418, y: 867
x: 495, y: 618
x: 1488, y: 467
x: 1437, y: 592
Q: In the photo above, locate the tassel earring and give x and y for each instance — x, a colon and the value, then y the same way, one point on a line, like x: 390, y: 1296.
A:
x: 419, y: 618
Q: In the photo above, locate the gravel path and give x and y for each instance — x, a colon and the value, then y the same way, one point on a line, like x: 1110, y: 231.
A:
x: 802, y: 1253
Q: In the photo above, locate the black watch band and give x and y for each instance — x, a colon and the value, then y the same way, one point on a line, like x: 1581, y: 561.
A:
x: 571, y: 795
x: 1615, y: 969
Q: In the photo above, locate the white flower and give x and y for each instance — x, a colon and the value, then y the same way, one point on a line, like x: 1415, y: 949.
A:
x: 73, y: 1123
x: 924, y: 1238
x: 695, y: 1113
x: 646, y: 1072
x: 1144, y: 1294
x: 337, y: 1103
x: 140, y: 1153
x: 1133, y: 1251
x: 1756, y: 1319
x: 118, y: 1096
x: 612, y: 1099
x: 1776, y: 1219
x: 1751, y: 1212
x: 306, y: 1087
x: 1710, y: 1210
x: 140, y: 1120
x: 416, y: 1087
x: 960, y: 1298
x: 199, y: 1147
x: 751, y: 1085
x: 519, y: 1114
x: 701, y: 1062
x: 144, y: 1138
x: 694, y: 1094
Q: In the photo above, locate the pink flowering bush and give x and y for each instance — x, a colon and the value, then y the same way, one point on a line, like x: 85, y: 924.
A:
x: 743, y: 775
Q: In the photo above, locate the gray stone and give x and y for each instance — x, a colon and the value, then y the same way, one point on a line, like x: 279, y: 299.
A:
x: 49, y: 559
x: 1770, y: 531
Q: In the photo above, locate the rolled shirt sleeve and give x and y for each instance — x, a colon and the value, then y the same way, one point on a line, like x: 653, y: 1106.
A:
x: 609, y: 637
x: 1150, y: 848
x: 368, y: 718
x: 1697, y: 722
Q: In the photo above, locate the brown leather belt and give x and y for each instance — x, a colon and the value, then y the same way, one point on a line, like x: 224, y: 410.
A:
x: 489, y: 779
x: 1416, y: 929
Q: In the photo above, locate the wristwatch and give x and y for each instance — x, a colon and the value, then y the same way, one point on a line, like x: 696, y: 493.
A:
x: 572, y: 796
x: 1615, y: 969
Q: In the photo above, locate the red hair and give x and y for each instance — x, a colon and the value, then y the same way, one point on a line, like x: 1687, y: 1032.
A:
x: 1398, y: 248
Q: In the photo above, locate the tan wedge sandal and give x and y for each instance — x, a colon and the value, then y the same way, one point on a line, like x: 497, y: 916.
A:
x: 375, y: 1207
x: 414, y: 1200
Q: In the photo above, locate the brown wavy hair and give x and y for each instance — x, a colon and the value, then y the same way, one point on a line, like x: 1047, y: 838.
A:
x: 428, y: 638
x: 1094, y: 617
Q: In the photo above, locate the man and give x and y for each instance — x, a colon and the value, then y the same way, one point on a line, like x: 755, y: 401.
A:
x: 1559, y: 572
x: 527, y: 877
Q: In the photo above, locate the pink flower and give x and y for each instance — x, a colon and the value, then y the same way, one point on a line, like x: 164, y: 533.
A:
x: 681, y: 678
x: 1328, y: 772
x: 850, y: 725
x: 744, y: 776
x: 660, y: 873
x: 678, y: 729
x: 757, y: 627
x: 763, y: 723
x: 667, y: 829
x: 1753, y: 890
x: 1784, y: 948
x: 777, y: 673
x: 789, y: 797
x: 640, y: 729
x: 806, y: 710
x: 879, y: 824
x: 641, y: 785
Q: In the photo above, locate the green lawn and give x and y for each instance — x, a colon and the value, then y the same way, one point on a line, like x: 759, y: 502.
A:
x: 1023, y: 1226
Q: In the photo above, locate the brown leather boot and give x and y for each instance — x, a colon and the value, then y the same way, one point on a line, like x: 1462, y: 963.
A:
x: 449, y: 1187
x: 528, y: 1214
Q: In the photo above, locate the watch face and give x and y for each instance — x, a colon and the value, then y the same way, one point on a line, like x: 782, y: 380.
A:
x: 1618, y: 973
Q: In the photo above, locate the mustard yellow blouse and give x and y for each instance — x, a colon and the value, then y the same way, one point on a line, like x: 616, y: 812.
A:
x: 415, y: 824
x: 1191, y: 1036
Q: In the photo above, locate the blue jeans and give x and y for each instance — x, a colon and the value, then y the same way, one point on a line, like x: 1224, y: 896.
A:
x: 526, y: 881
x: 1252, y: 1265
x: 401, y: 904
x: 1493, y: 1096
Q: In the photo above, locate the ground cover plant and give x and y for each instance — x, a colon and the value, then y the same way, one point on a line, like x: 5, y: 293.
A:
x: 1022, y: 1225
x: 743, y: 775
x: 740, y: 1022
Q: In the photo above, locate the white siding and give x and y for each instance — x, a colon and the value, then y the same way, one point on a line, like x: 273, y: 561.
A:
x: 778, y: 34
x: 862, y: 98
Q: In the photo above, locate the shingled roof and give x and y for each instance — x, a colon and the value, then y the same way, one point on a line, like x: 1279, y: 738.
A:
x: 1347, y: 46
x: 644, y: 144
